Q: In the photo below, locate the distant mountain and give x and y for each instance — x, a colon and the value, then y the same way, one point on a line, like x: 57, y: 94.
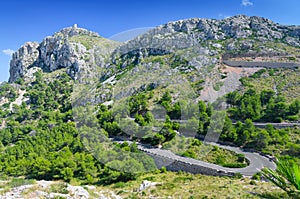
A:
x: 199, y: 43
x: 192, y: 55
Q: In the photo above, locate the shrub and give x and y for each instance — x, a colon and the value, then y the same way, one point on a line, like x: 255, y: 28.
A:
x: 234, y: 165
x: 237, y: 175
x: 163, y: 170
x: 119, y: 185
x: 256, y: 176
x: 189, y: 153
x: 252, y: 182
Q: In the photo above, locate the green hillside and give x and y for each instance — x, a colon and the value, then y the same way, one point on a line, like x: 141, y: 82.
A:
x: 74, y: 98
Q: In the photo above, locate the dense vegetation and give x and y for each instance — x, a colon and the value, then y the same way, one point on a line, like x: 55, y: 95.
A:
x: 41, y: 140
x: 8, y: 94
x: 284, y: 81
x: 242, y: 133
x: 265, y: 106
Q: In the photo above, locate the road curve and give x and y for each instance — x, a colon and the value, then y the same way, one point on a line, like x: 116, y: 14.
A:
x: 256, y: 161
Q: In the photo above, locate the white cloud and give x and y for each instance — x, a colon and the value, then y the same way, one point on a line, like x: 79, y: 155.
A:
x: 8, y: 52
x: 246, y: 3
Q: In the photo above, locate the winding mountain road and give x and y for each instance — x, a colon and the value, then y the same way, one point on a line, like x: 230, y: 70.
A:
x: 256, y: 161
x: 257, y: 124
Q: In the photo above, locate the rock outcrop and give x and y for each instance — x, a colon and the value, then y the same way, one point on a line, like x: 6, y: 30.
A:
x: 201, y: 39
x: 55, y: 52
x: 186, y: 33
x: 25, y: 57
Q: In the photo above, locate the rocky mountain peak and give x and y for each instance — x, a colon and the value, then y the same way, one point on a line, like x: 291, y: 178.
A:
x: 64, y: 49
x: 239, y: 26
x: 75, y: 30
x: 23, y: 59
x: 74, y: 48
x: 237, y: 33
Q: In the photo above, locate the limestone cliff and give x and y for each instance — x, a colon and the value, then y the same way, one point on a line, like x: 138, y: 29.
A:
x: 25, y: 57
x: 239, y: 32
x: 202, y: 42
x: 72, y: 48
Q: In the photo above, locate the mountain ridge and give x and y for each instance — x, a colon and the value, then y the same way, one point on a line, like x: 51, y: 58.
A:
x: 171, y: 36
x: 75, y: 95
x: 196, y: 47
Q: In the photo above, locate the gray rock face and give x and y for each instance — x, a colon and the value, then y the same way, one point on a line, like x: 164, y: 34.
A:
x: 199, y: 37
x: 240, y: 33
x: 56, y: 52
x: 146, y: 184
x: 240, y: 26
x: 22, y: 59
x: 78, y: 192
x: 53, y: 53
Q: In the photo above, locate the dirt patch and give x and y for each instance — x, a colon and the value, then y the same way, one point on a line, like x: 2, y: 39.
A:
x: 242, y: 72
x: 227, y: 79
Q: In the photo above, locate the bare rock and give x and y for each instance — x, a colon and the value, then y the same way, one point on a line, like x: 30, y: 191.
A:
x: 78, y: 192
x: 56, y: 52
x: 146, y: 184
x: 22, y: 60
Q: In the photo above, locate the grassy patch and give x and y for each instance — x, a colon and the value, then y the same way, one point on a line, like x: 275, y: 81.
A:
x: 90, y: 41
x: 16, y: 182
x: 10, y: 183
x: 59, y: 188
x: 218, y: 86
x: 185, y: 185
x: 193, y: 148
x: 284, y: 81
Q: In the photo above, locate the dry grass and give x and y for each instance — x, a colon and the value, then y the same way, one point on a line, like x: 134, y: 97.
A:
x: 184, y: 185
x: 286, y: 82
x: 90, y: 42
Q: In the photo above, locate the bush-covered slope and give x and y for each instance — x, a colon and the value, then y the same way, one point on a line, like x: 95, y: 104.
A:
x: 75, y: 91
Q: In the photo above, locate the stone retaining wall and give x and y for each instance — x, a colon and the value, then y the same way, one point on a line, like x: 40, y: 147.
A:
x: 175, y: 165
x: 261, y: 64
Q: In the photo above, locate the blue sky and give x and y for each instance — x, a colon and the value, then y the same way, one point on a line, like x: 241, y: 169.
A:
x: 32, y: 20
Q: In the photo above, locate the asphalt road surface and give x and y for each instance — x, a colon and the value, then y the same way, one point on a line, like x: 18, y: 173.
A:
x: 256, y: 161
